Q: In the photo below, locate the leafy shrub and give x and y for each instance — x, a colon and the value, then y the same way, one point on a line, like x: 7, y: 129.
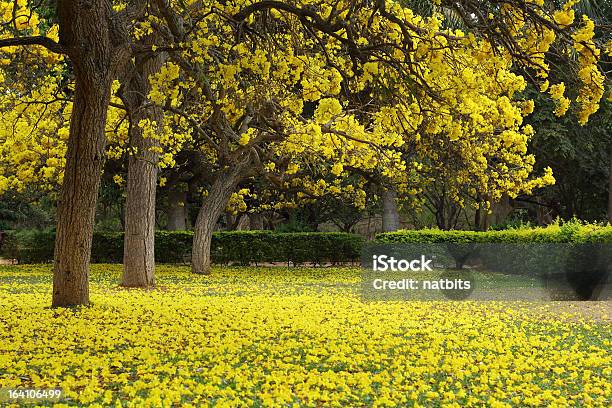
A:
x: 568, y: 232
x: 170, y: 247
x: 241, y: 247
x: 254, y: 247
x: 29, y: 246
x: 107, y: 247
x: 543, y: 250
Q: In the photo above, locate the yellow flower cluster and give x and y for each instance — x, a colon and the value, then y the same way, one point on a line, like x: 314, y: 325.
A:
x: 162, y: 84
x: 299, y: 337
x: 236, y: 203
x: 557, y: 93
x: 33, y: 136
x: 26, y: 21
x: 592, y: 79
x: 458, y: 97
x: 463, y: 100
x: 35, y: 127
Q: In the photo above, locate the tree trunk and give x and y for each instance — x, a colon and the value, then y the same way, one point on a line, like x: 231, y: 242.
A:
x: 244, y: 223
x: 139, y: 238
x: 212, y: 208
x: 390, y: 216
x: 440, y: 215
x: 500, y: 210
x: 85, y: 32
x: 256, y: 221
x: 177, y: 209
x: 478, y: 216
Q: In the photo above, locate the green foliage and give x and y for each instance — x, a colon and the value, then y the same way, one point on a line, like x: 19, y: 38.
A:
x: 242, y: 247
x: 297, y: 222
x: 26, y: 211
x: 170, y: 246
x: 298, y: 247
x: 568, y: 232
x: 28, y: 246
x: 558, y: 253
x: 107, y: 247
x: 578, y: 155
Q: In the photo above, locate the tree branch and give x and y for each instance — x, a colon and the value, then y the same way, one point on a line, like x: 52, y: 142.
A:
x: 34, y: 40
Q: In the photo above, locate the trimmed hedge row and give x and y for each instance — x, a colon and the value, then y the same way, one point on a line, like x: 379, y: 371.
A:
x: 565, y: 233
x: 575, y: 253
x: 242, y: 247
x: 252, y: 247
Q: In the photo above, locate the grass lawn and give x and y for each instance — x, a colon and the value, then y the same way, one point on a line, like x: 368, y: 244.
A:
x: 299, y: 336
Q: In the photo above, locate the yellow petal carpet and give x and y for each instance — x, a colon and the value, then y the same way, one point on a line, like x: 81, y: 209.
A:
x: 293, y: 337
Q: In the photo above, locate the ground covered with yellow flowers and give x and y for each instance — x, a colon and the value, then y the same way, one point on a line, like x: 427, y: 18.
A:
x: 299, y: 336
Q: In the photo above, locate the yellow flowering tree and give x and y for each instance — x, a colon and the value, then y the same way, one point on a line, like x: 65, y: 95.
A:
x: 98, y: 40
x: 250, y: 83
x: 93, y: 36
x: 288, y: 85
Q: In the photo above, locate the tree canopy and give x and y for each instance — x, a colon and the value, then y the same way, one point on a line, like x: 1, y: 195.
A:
x: 313, y: 95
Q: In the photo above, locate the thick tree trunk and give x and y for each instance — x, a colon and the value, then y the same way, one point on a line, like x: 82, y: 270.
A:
x: 177, y: 209
x: 85, y: 32
x: 212, y: 208
x: 390, y: 215
x: 139, y: 239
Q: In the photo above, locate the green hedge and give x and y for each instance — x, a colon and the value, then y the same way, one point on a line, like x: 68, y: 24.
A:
x: 31, y: 246
x: 557, y: 243
x: 253, y: 247
x: 570, y: 232
x: 242, y: 247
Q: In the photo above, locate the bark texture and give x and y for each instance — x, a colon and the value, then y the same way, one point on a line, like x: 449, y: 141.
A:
x: 212, y: 208
x: 478, y: 218
x: 139, y: 238
x: 390, y: 216
x: 85, y: 32
x: 177, y: 209
x: 500, y: 210
x: 256, y: 221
